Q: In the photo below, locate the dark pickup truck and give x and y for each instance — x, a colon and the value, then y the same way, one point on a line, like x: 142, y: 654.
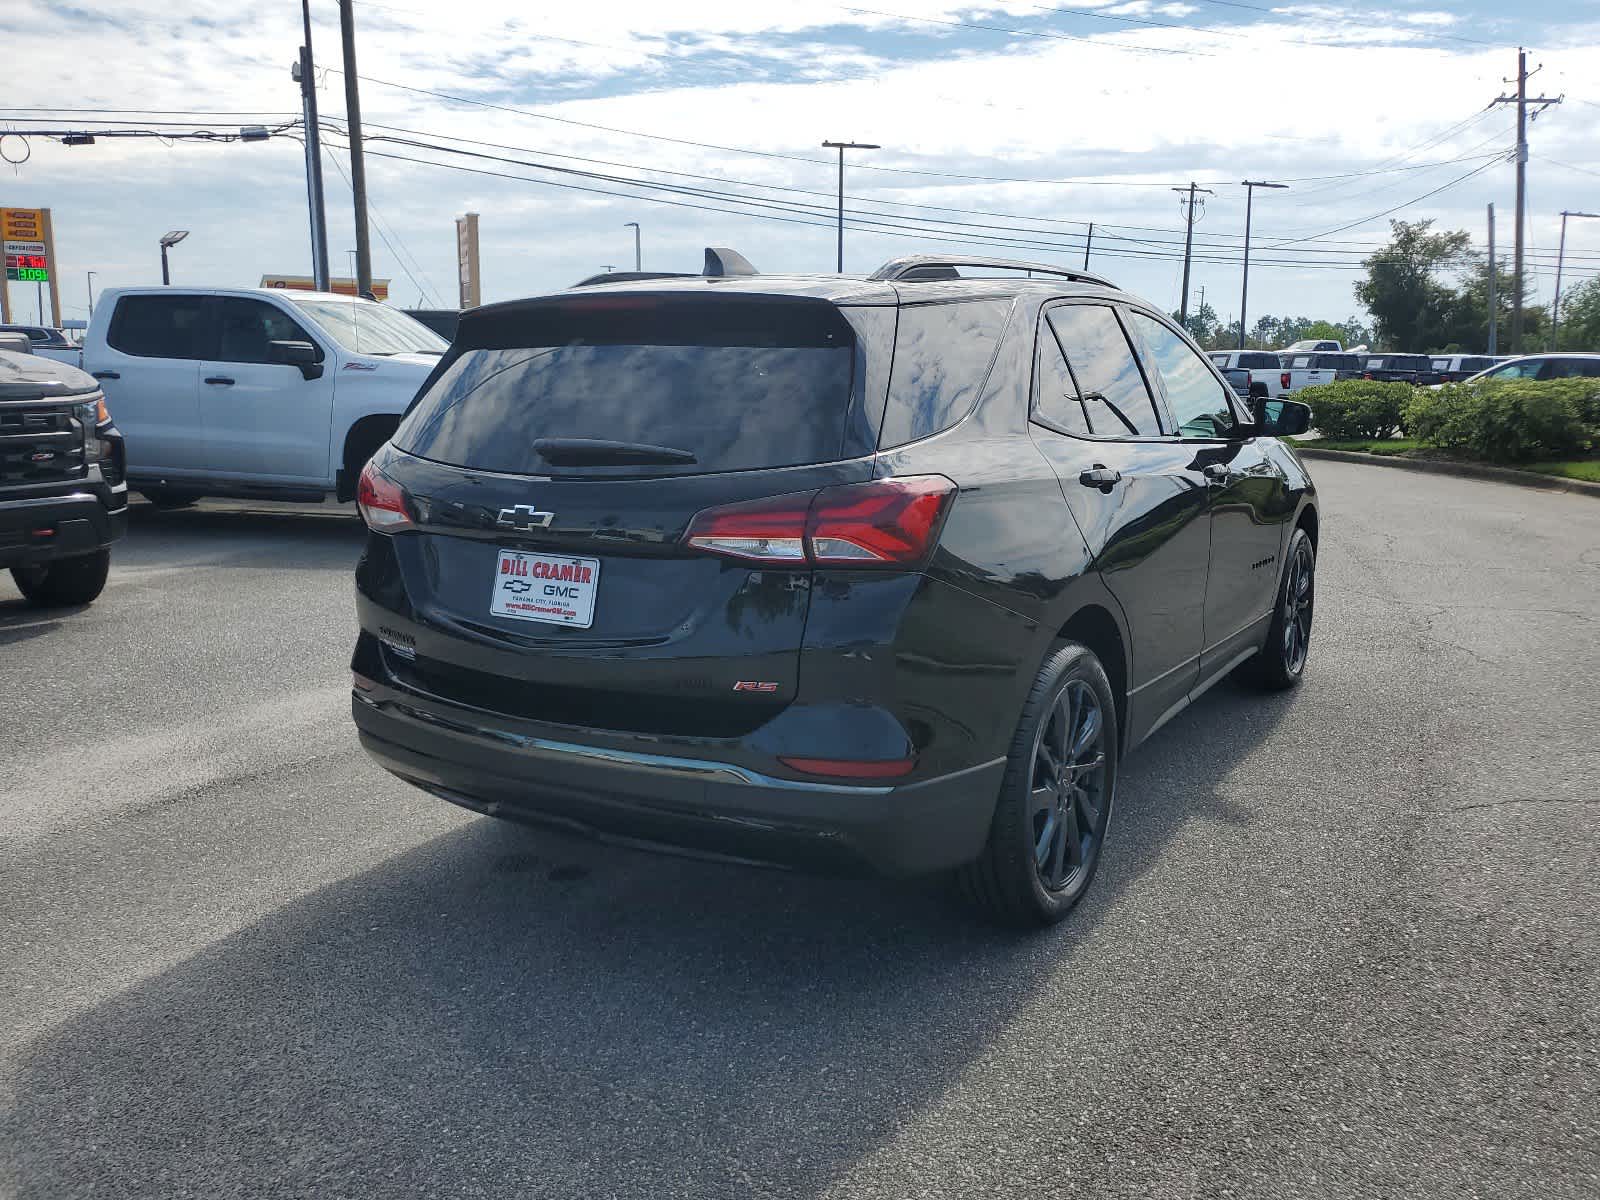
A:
x: 63, y: 498
x: 1400, y: 368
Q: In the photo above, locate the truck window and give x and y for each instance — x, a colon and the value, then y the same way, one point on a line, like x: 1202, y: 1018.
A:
x: 158, y: 326
x: 248, y: 326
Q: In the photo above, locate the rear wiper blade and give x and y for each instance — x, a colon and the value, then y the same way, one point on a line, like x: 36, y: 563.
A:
x: 577, y: 452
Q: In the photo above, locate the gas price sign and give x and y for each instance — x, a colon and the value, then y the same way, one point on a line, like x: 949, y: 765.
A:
x: 26, y: 262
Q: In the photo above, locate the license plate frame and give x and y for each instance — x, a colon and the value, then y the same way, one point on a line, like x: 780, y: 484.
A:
x: 549, y: 589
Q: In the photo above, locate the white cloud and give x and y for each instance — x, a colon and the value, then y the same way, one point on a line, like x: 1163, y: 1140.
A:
x: 1259, y: 104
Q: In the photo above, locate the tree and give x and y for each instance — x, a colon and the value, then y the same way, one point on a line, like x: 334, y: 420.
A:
x: 1201, y: 324
x: 1412, y: 307
x: 1580, y: 317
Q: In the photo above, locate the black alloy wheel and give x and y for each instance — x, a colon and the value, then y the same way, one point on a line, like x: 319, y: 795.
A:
x: 1282, y: 661
x: 1050, y: 821
x: 1067, y: 792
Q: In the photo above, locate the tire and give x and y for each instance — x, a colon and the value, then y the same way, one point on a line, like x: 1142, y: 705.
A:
x: 166, y: 498
x: 1044, y: 845
x: 64, y: 582
x: 1282, y: 661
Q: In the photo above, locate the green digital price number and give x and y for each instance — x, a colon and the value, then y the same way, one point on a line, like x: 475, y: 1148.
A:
x: 33, y: 274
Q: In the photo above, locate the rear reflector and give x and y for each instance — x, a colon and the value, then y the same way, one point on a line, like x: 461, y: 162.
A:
x: 846, y: 768
x: 884, y: 523
x: 360, y: 682
x: 382, y: 502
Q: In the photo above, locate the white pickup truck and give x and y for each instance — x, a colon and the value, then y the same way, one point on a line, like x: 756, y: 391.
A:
x: 1308, y: 368
x: 253, y: 392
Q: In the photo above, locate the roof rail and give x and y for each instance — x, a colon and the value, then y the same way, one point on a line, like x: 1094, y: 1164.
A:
x: 925, y: 267
x: 632, y: 277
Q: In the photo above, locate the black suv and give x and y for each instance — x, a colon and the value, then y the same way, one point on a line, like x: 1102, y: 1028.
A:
x: 824, y: 571
x: 63, y: 499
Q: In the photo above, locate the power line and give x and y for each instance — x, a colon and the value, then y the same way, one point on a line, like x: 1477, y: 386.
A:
x: 1395, y: 209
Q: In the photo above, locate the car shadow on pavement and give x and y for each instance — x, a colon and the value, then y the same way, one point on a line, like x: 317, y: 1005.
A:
x: 504, y: 1012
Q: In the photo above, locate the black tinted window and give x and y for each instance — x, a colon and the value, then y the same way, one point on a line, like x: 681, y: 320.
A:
x: 941, y: 357
x: 738, y: 385
x: 1114, y: 395
x: 1198, y: 402
x: 1336, y: 362
x: 247, y: 326
x: 1474, y: 365
x: 158, y: 326
x: 1055, y: 393
x: 1259, y: 362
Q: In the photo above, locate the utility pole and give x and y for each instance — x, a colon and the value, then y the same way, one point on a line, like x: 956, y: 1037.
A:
x: 1188, y: 246
x: 842, y: 147
x: 1494, y: 289
x: 1088, y: 240
x: 358, y: 168
x: 1561, y: 254
x: 1522, y: 101
x: 1250, y: 186
x: 638, y: 255
x: 305, y: 72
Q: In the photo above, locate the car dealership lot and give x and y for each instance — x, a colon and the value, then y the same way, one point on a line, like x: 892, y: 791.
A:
x: 1343, y: 941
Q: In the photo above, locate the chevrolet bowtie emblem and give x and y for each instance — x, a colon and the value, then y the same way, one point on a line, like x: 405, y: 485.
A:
x: 525, y: 516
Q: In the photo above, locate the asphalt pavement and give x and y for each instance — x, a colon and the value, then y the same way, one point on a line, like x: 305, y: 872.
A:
x: 1344, y: 943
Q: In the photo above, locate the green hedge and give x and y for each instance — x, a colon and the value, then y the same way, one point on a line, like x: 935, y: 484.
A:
x: 1356, y: 408
x: 1515, y: 421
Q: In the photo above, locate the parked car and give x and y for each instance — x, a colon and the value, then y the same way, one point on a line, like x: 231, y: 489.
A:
x: 1264, y: 366
x: 881, y: 574
x: 1314, y: 344
x: 1310, y: 368
x: 253, y: 392
x: 1452, y: 368
x: 47, y: 342
x: 63, y: 499
x: 1543, y: 366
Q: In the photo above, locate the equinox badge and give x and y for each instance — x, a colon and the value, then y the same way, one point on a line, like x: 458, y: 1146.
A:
x: 525, y: 516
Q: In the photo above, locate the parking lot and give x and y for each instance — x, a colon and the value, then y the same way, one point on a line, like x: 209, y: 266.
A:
x: 1344, y: 942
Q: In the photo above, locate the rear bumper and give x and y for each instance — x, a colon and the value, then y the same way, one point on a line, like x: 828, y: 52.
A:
x: 667, y: 801
x: 43, y: 528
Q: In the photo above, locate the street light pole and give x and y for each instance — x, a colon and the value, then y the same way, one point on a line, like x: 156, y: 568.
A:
x: 1561, y: 254
x: 169, y: 239
x: 1250, y: 186
x: 90, y: 276
x: 638, y: 255
x: 841, y: 147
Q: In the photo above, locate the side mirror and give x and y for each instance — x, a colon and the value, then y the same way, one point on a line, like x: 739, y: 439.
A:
x: 1280, y: 418
x: 296, y: 354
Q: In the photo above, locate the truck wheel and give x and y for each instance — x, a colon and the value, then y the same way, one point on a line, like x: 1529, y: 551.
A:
x: 165, y: 498
x: 64, y: 582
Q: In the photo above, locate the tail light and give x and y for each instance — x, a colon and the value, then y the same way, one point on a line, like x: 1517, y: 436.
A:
x: 884, y: 523
x: 1366, y: 374
x: 1283, y: 379
x: 382, y: 501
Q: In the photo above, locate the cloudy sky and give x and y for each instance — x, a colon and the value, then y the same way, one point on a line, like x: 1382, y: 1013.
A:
x: 1005, y: 128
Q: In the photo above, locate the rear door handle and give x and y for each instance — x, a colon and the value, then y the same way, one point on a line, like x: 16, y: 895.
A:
x: 106, y: 374
x: 1100, y: 476
x: 221, y: 380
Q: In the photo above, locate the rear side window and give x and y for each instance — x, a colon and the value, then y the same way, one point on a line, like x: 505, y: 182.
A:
x: 1259, y: 362
x: 1115, y: 399
x: 738, y: 384
x: 158, y: 326
x: 942, y: 354
x: 1336, y: 362
x: 1300, y: 361
x: 1475, y: 365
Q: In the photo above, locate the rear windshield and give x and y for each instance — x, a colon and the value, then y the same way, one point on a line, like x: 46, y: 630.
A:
x: 1408, y: 362
x: 1259, y: 362
x: 739, y: 385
